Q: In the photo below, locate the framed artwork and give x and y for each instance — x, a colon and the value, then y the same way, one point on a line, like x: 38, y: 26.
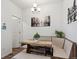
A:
x: 3, y: 26
x: 37, y: 22
x: 72, y: 13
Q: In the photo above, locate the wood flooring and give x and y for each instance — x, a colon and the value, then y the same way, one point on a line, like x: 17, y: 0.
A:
x: 14, y: 52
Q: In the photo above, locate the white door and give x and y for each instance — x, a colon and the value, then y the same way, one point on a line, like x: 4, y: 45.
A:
x: 16, y: 32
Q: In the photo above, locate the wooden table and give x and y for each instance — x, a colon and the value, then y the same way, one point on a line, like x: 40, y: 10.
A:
x: 44, y: 47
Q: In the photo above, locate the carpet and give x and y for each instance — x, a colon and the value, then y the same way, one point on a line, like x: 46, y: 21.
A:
x: 24, y: 55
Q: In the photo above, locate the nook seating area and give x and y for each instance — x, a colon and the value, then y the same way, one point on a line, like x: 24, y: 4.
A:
x: 61, y: 46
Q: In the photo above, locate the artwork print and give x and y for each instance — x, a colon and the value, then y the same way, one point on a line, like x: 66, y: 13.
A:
x: 72, y: 13
x: 3, y: 26
x: 37, y: 22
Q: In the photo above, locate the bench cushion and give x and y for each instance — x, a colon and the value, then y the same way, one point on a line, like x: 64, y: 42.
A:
x: 58, y: 52
x: 67, y: 47
x: 62, y: 52
x: 58, y: 42
x: 24, y: 46
x: 45, y: 38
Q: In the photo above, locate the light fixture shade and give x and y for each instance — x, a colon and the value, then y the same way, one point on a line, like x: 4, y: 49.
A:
x: 32, y: 9
x: 34, y: 5
x: 35, y: 8
x: 38, y: 9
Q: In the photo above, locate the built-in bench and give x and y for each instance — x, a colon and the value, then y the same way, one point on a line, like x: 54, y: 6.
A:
x: 62, y: 47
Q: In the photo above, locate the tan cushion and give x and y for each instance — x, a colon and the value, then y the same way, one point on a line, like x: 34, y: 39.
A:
x: 45, y: 38
x: 25, y: 46
x: 58, y: 42
x: 67, y: 47
x: 58, y: 52
x: 62, y: 53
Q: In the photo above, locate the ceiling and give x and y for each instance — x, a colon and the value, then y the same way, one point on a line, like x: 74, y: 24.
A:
x: 28, y: 3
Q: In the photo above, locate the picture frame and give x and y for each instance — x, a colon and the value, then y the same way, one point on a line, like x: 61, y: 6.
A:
x: 37, y: 22
x: 72, y: 13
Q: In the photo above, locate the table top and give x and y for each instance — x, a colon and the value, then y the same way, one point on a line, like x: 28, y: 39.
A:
x: 38, y: 42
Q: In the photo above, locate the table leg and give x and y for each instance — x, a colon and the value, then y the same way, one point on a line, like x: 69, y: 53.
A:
x: 51, y: 51
x: 28, y: 48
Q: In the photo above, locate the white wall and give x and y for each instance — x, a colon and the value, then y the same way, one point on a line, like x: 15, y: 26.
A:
x: 69, y: 29
x: 8, y: 9
x: 58, y: 13
x: 53, y: 10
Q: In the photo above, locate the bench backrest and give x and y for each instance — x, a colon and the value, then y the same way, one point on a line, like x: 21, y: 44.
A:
x: 59, y: 42
x: 46, y: 38
x: 68, y: 46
